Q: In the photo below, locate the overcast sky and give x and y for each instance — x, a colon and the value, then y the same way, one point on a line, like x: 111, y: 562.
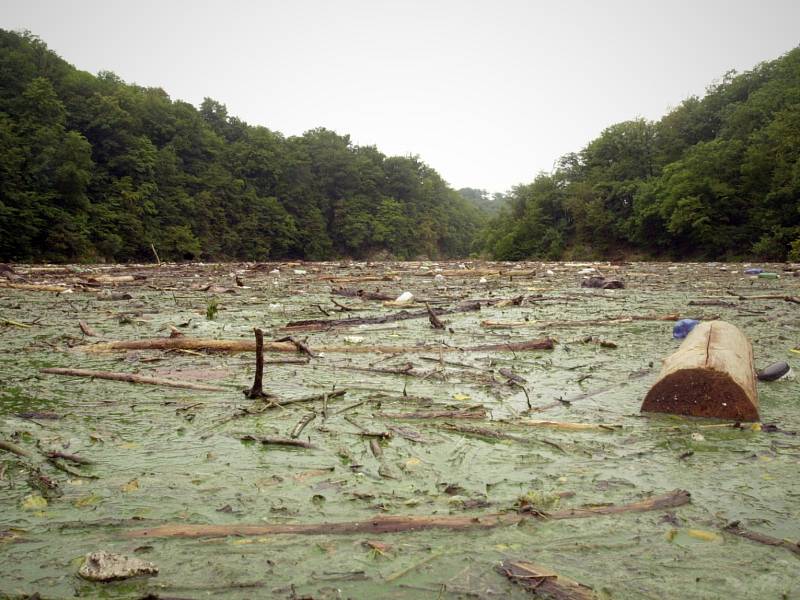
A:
x: 487, y: 92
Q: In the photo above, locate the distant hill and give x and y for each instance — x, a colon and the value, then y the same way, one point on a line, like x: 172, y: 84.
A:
x: 482, y: 201
x: 92, y: 168
x: 716, y: 178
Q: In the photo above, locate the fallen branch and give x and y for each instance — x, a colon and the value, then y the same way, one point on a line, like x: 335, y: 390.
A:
x: 489, y: 324
x: 543, y: 582
x: 761, y: 538
x: 403, y: 315
x: 14, y: 449
x: 131, y: 378
x: 34, y: 287
x: 401, y: 523
x: 477, y: 412
x: 276, y: 441
x: 565, y: 426
x: 187, y: 343
x: 87, y: 331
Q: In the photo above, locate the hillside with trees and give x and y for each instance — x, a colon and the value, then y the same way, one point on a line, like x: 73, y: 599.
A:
x: 716, y: 178
x: 94, y: 169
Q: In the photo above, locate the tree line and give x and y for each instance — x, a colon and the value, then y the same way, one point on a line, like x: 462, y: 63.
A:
x: 718, y: 177
x: 94, y: 169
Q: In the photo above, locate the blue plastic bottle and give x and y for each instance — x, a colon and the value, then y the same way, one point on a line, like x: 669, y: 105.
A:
x: 683, y: 327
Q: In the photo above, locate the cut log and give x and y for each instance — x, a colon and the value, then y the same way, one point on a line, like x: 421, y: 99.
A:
x: 710, y: 375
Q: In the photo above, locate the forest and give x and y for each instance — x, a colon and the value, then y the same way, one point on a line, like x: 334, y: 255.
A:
x: 717, y: 178
x: 93, y: 169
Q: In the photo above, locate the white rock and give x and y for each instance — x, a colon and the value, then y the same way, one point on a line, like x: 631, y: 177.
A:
x: 353, y: 339
x: 483, y: 280
x: 588, y: 271
x: 404, y: 298
x: 299, y: 271
x: 274, y: 272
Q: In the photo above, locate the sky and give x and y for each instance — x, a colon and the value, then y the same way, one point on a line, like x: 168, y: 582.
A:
x: 487, y: 92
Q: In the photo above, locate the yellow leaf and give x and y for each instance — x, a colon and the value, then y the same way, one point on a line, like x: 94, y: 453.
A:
x: 706, y: 536
x: 413, y: 461
x: 129, y: 445
x: 131, y: 486
x: 460, y: 397
x: 87, y: 501
x: 756, y: 426
x: 33, y: 502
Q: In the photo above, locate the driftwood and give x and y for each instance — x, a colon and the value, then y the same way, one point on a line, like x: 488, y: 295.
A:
x: 543, y: 582
x: 477, y: 412
x: 436, y: 322
x: 761, y: 538
x: 257, y: 391
x: 489, y: 324
x: 187, y: 343
x: 401, y: 523
x: 278, y: 441
x: 403, y: 315
x: 364, y: 295
x: 14, y: 449
x: 565, y: 426
x: 131, y: 378
x: 87, y: 331
x: 710, y: 375
x: 34, y: 287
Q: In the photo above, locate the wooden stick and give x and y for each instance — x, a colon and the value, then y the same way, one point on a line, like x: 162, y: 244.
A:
x: 761, y: 538
x: 278, y: 441
x: 564, y: 426
x: 489, y: 324
x: 131, y: 378
x: 400, y: 523
x: 87, y: 331
x: 14, y: 449
x: 304, y: 420
x: 436, y: 322
x: 257, y: 390
x: 543, y: 582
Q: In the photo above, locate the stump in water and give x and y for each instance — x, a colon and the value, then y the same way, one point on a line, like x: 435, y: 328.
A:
x: 710, y: 375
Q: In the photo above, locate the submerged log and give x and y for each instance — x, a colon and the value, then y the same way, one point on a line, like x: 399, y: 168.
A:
x: 710, y: 375
x: 400, y: 523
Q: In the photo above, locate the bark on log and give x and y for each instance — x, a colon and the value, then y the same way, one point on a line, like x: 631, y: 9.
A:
x: 710, y: 375
x: 400, y: 523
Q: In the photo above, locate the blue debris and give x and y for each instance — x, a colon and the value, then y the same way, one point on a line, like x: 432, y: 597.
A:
x: 683, y: 327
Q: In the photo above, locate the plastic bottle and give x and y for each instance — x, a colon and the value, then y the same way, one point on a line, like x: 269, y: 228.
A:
x: 754, y: 271
x: 683, y: 327
x: 768, y: 276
